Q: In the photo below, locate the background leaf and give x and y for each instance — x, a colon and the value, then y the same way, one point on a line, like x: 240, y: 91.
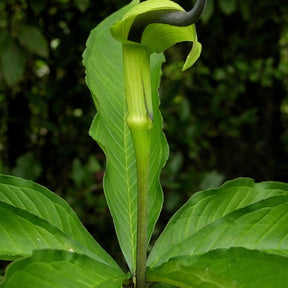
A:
x: 33, y: 40
x: 227, y: 6
x: 208, y: 12
x: 13, y: 62
x: 52, y: 268
x: 82, y: 5
x: 42, y: 213
x: 27, y: 166
x: 103, y: 61
x: 206, y: 207
x: 37, y: 6
x: 235, y: 267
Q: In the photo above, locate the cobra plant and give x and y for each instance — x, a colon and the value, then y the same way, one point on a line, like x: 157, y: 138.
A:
x: 232, y: 236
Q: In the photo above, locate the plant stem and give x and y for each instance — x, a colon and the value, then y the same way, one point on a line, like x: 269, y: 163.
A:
x: 137, y: 79
x: 142, y: 201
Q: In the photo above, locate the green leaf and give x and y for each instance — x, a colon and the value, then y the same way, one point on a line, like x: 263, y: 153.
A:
x: 42, y: 213
x: 82, y: 5
x: 27, y: 167
x: 33, y: 40
x: 261, y: 226
x: 188, y: 275
x: 3, y: 39
x: 22, y: 232
x: 12, y: 62
x: 205, y: 208
x: 208, y: 12
x: 104, y: 76
x: 52, y: 268
x: 37, y: 6
x: 225, y: 268
x: 227, y: 6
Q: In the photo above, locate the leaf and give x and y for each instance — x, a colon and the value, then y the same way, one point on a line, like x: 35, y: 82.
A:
x: 27, y: 167
x: 52, y: 268
x: 82, y: 5
x: 179, y: 275
x: 162, y: 285
x: 205, y: 208
x: 235, y: 267
x: 12, y: 62
x: 37, y: 6
x: 208, y: 12
x: 21, y: 233
x: 33, y: 40
x: 261, y: 226
x: 104, y: 76
x: 227, y: 6
x: 40, y: 211
x: 3, y: 39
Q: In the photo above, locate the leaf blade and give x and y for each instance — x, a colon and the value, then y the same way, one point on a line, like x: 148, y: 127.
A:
x: 33, y: 40
x: 13, y: 62
x: 23, y: 232
x: 37, y: 201
x: 235, y: 267
x: 260, y: 226
x: 206, y: 207
x: 56, y: 268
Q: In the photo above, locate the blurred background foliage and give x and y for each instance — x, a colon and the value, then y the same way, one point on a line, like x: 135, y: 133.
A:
x: 224, y: 118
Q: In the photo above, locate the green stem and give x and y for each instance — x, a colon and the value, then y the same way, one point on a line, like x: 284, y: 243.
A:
x: 142, y: 201
x: 137, y: 79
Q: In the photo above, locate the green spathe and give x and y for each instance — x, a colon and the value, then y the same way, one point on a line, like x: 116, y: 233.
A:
x: 166, y: 35
x: 137, y: 83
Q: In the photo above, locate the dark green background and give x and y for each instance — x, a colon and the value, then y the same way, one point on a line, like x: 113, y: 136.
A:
x: 224, y: 118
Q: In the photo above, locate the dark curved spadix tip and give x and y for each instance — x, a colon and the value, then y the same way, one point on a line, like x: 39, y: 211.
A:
x: 170, y: 17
